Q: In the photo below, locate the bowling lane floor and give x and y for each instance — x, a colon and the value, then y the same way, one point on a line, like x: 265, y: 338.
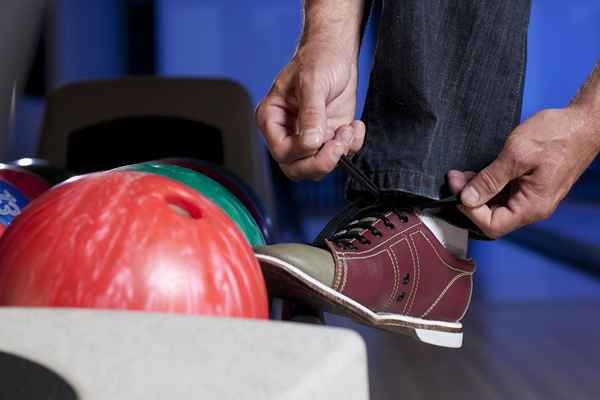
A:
x: 511, y: 351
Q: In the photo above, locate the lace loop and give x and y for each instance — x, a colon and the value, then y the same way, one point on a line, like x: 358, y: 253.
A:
x: 365, y: 221
x: 369, y: 208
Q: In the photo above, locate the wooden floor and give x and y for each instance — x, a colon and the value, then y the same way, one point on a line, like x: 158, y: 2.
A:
x: 518, y: 351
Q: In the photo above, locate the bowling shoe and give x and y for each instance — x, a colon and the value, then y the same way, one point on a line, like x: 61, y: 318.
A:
x: 380, y: 266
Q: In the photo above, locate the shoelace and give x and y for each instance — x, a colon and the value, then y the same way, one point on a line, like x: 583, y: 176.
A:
x: 359, y: 176
x: 355, y: 229
x: 361, y: 215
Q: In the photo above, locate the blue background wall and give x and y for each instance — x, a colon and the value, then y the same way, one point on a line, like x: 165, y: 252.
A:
x: 242, y: 40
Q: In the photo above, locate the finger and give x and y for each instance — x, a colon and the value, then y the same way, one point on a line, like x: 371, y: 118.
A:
x: 322, y: 163
x: 359, y: 136
x: 470, y: 175
x: 345, y: 134
x: 276, y: 124
x: 490, y: 181
x: 312, y: 117
x: 494, y: 222
x: 296, y: 151
x: 457, y: 180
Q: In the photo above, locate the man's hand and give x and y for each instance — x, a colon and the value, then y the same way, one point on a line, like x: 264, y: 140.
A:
x: 542, y: 159
x: 307, y: 117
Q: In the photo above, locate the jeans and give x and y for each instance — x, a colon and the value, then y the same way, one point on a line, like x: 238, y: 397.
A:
x: 444, y: 93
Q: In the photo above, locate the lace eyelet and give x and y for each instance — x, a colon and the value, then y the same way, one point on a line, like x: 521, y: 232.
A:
x: 364, y: 240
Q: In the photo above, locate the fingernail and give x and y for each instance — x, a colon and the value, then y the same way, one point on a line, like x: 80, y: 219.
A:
x: 347, y: 137
x: 469, y: 196
x: 311, y: 137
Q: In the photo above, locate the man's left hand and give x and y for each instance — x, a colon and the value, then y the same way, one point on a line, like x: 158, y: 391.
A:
x: 541, y: 160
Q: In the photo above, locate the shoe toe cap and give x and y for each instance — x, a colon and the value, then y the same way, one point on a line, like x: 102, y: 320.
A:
x: 314, y: 261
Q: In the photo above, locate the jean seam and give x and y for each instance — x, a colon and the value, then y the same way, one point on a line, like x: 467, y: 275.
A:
x: 402, y: 180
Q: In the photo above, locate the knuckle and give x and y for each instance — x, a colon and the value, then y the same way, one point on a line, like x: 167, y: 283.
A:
x: 488, y: 181
x: 520, y: 160
x: 310, y: 113
x: 536, y: 215
x: 277, y: 153
x: 527, y: 155
x: 312, y: 81
x: 278, y: 157
x: 493, y: 233
x: 529, y: 217
x: 279, y: 87
x: 512, y: 143
x: 307, y: 76
x: 546, y: 211
x: 259, y: 116
x: 323, y: 168
x: 291, y: 173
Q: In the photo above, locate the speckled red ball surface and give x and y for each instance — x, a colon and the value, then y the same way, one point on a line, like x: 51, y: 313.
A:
x: 129, y: 240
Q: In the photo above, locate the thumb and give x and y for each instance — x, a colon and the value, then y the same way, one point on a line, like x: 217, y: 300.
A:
x: 312, y: 116
x: 490, y: 181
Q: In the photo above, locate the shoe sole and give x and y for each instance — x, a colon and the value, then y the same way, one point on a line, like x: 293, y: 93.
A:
x: 286, y: 281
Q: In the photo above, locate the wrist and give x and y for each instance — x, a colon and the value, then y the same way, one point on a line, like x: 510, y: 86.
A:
x: 334, y: 24
x: 587, y: 119
x: 326, y: 51
x: 587, y: 103
x: 330, y: 40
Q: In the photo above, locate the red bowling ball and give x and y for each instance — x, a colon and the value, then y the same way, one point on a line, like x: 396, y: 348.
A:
x: 30, y: 184
x: 12, y: 203
x: 128, y: 240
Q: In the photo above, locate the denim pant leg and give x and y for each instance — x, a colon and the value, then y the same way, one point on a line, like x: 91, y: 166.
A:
x: 444, y: 93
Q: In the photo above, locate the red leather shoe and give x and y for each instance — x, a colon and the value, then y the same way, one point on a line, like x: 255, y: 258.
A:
x: 383, y: 268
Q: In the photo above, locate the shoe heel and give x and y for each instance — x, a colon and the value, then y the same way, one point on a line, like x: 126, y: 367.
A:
x: 440, y: 338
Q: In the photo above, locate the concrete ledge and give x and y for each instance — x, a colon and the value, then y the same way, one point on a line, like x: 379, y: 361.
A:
x: 131, y: 355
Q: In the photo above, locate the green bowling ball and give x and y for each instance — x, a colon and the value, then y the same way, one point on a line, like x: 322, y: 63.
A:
x: 212, y: 190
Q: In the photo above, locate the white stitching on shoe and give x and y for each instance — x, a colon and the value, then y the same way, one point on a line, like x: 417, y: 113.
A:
x: 345, y: 275
x: 454, y: 268
x: 338, y: 270
x: 470, y: 296
x: 457, y: 277
x: 413, y: 292
x: 350, y: 257
x: 418, y: 276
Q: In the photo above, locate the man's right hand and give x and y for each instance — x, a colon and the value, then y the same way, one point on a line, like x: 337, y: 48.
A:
x: 307, y: 117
